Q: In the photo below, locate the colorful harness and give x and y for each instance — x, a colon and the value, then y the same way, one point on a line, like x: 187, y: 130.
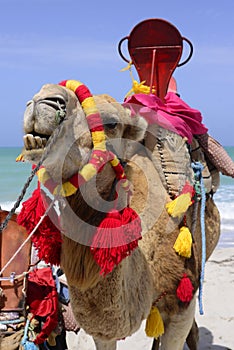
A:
x: 99, y: 156
x: 119, y: 232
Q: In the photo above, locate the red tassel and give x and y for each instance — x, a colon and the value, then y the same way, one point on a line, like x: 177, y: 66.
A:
x: 185, y: 289
x: 31, y: 211
x: 47, y: 238
x: 115, y: 239
x: 48, y: 242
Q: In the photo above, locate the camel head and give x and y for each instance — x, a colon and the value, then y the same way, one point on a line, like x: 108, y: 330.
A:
x: 56, y: 110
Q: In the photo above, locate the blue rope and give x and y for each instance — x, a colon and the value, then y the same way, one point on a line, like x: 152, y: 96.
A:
x: 198, y: 167
x: 15, y: 321
x: 28, y: 345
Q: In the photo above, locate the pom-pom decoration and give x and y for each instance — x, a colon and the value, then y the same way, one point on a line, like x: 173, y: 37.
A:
x: 47, y: 238
x: 178, y: 206
x: 185, y: 289
x: 154, y: 324
x: 183, y: 243
x: 116, y: 237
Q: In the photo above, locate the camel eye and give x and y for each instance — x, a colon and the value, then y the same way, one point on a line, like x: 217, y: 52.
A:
x: 111, y: 125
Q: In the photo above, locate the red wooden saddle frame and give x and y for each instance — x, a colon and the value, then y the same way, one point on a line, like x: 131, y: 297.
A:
x: 155, y: 47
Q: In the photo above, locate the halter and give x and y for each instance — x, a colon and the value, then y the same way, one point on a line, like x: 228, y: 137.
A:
x: 118, y: 233
x: 99, y: 156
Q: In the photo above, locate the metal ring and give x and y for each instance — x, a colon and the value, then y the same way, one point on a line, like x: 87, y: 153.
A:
x: 119, y: 49
x: 190, y: 54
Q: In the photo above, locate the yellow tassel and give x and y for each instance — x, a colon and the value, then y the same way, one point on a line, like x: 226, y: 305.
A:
x: 179, y: 205
x: 138, y: 88
x: 183, y: 243
x: 154, y: 325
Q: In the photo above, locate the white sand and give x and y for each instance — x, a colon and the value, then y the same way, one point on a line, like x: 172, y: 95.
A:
x: 216, y: 326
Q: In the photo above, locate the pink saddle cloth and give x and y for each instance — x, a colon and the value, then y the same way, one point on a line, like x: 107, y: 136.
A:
x: 173, y: 114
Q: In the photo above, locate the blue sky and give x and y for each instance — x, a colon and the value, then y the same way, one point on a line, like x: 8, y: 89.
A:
x: 46, y: 41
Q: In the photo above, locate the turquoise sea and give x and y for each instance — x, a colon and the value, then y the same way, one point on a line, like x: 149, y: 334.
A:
x: 14, y: 175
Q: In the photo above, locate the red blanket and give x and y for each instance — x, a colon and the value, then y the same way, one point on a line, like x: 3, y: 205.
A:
x: 42, y: 300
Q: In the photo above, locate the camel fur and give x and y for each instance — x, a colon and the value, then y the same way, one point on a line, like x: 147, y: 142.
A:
x: 113, y: 307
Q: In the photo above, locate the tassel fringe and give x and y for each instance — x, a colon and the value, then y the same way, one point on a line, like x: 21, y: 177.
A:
x: 115, y: 239
x: 154, y: 324
x: 183, y: 243
x: 47, y: 238
x: 180, y: 204
x: 185, y: 289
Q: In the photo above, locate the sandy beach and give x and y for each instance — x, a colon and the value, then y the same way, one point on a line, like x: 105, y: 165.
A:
x: 216, y: 325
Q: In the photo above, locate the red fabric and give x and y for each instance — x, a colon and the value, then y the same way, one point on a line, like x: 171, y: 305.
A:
x: 50, y: 184
x: 185, y: 289
x: 47, y: 238
x: 116, y: 237
x: 119, y: 171
x: 77, y: 180
x: 188, y: 189
x: 82, y: 92
x: 174, y: 114
x: 63, y: 83
x: 42, y: 300
x: 95, y: 122
x: 28, y: 215
x: 99, y: 158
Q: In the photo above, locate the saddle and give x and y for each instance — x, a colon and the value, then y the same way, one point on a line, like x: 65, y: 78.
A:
x: 155, y: 47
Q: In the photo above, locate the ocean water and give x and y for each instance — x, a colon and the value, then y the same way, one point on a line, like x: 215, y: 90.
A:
x: 13, y: 177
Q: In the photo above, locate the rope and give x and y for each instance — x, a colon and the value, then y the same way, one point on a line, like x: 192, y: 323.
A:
x: 28, y: 238
x: 12, y: 277
x: 194, y: 218
x: 18, y: 320
x: 198, y: 167
x: 27, y: 345
x: 162, y: 295
x: 30, y: 178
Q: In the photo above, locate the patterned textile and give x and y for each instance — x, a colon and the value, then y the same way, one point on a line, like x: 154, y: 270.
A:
x: 217, y: 154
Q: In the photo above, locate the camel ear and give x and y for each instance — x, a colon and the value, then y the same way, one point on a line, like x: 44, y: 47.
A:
x: 135, y: 128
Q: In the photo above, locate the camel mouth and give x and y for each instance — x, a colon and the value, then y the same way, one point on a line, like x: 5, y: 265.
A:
x: 33, y: 141
x: 51, y: 106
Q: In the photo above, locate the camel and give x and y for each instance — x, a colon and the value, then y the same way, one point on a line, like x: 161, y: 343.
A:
x: 112, y: 306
